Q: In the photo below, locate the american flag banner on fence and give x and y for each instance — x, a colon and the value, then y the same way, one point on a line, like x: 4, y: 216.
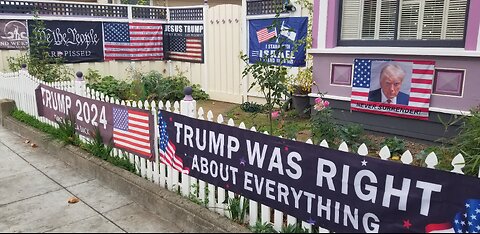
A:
x: 419, y: 77
x: 185, y: 49
x: 167, y: 148
x: 133, y: 41
x: 264, y: 34
x: 131, y: 131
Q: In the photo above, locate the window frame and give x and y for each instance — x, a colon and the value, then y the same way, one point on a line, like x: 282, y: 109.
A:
x: 400, y: 43
x: 445, y: 69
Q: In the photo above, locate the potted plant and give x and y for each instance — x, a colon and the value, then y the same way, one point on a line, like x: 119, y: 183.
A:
x: 300, y: 86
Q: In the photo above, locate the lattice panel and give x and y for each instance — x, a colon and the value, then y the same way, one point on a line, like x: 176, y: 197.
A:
x: 186, y: 14
x: 67, y: 9
x: 149, y: 13
x: 264, y: 7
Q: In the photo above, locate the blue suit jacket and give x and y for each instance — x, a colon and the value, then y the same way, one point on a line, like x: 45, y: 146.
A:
x: 376, y: 96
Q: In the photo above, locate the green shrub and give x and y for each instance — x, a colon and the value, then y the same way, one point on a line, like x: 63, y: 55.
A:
x: 395, y: 145
x: 294, y: 228
x: 67, y: 130
x: 238, y: 209
x: 251, y: 107
x: 97, y: 148
x: 151, y: 86
x: 263, y: 228
x: 467, y: 142
x: 353, y: 135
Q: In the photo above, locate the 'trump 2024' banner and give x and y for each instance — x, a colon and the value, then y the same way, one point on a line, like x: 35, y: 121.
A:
x: 336, y: 190
x: 127, y: 128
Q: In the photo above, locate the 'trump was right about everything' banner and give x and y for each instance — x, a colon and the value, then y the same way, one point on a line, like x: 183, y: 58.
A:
x: 339, y: 191
x: 400, y: 88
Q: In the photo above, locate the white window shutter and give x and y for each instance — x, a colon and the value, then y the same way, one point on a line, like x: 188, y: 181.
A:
x: 388, y: 12
x: 409, y: 20
x: 433, y: 19
x: 351, y: 19
x: 369, y: 19
x: 456, y: 19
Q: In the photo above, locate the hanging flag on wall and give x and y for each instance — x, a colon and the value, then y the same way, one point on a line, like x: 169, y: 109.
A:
x: 13, y: 34
x: 74, y: 41
x: 184, y: 42
x: 133, y: 41
x: 400, y: 88
x: 278, y: 41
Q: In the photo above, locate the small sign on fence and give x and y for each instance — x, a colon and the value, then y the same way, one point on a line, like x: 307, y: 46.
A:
x: 13, y: 34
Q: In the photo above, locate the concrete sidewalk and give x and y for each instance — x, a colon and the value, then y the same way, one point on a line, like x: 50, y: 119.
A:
x: 35, y: 189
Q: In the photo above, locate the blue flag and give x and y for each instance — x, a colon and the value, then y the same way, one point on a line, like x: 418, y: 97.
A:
x: 268, y: 35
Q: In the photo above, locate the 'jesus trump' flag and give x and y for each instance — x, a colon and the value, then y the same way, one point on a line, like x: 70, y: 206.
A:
x: 410, y: 97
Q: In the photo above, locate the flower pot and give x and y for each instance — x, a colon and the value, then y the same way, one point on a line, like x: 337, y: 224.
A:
x: 301, y: 103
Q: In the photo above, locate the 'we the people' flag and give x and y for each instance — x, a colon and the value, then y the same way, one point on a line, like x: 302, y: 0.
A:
x: 133, y: 41
x: 373, y: 94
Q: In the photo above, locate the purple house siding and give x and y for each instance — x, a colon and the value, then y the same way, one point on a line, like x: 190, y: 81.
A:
x: 332, y: 25
x: 316, y: 12
x: 473, y: 25
x: 471, y: 96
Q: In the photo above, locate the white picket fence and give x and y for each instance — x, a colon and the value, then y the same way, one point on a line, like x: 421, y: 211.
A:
x: 20, y: 86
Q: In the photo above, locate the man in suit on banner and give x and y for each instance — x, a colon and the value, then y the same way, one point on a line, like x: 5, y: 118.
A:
x: 391, y: 79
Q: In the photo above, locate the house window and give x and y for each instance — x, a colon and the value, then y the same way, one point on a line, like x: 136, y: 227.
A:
x: 428, y: 23
x: 448, y: 82
x: 341, y: 74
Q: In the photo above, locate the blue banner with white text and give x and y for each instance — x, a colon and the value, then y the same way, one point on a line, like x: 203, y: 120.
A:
x: 279, y: 41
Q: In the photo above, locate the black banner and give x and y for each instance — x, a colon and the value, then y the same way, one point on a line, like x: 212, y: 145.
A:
x: 335, y: 190
x: 183, y: 42
x: 71, y: 40
x: 13, y: 34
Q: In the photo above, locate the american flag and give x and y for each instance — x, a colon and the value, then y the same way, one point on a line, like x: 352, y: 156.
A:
x: 185, y: 49
x: 467, y: 221
x: 131, y: 131
x: 167, y: 148
x: 133, y: 41
x: 264, y: 34
x: 420, y: 91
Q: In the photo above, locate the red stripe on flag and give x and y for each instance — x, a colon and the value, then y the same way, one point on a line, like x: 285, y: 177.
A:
x: 363, y: 94
x: 144, y: 24
x: 146, y: 140
x: 132, y: 58
x: 133, y: 150
x: 421, y: 81
x: 139, y: 126
x: 422, y: 62
x: 134, y: 52
x: 390, y: 105
x: 391, y: 114
x: 419, y: 90
x: 119, y: 141
x: 422, y: 100
x: 437, y: 227
x: 422, y: 71
x: 145, y: 114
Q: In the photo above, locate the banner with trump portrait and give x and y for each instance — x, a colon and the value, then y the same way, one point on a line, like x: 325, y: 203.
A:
x: 400, y: 88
